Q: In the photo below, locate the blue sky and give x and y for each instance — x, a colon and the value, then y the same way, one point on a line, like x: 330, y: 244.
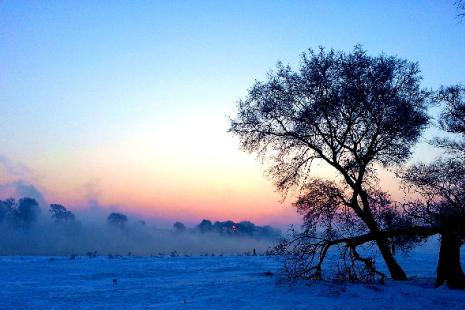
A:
x: 133, y: 96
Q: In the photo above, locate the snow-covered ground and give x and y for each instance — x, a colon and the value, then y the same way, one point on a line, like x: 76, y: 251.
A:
x: 203, y: 283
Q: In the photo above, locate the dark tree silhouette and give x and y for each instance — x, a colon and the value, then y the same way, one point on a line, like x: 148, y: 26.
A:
x: 7, y: 209
x: 442, y: 188
x: 21, y: 213
x: 348, y: 110
x: 460, y: 4
x: 60, y: 214
x: 179, y: 227
x: 226, y: 227
x: 329, y: 222
x: 441, y: 184
x: 452, y: 120
x: 246, y: 228
x: 205, y: 226
x: 117, y: 219
x: 27, y: 211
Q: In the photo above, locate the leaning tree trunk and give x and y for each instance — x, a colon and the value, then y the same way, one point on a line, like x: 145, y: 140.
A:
x: 449, y: 269
x: 397, y: 273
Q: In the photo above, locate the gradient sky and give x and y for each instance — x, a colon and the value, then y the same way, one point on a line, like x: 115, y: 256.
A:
x: 126, y: 102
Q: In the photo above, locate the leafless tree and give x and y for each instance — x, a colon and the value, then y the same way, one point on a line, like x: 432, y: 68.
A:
x: 452, y: 120
x: 331, y: 225
x: 117, y: 220
x: 60, y: 214
x: 351, y: 111
x: 460, y: 4
x: 441, y: 185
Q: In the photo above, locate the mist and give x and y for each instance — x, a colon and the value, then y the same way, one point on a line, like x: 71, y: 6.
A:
x: 28, y: 229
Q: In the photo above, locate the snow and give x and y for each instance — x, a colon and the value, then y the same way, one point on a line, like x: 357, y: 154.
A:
x: 219, y: 282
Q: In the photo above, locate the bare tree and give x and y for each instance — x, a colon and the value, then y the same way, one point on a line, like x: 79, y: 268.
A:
x: 179, y: 227
x: 117, y: 219
x: 21, y: 213
x: 7, y: 210
x: 460, y: 4
x: 442, y: 188
x: 60, y: 214
x: 441, y: 185
x: 452, y: 120
x: 351, y: 111
x: 27, y: 211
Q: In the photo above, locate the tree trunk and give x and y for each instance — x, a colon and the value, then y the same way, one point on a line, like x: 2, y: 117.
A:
x: 394, y: 268
x: 397, y: 273
x: 449, y: 269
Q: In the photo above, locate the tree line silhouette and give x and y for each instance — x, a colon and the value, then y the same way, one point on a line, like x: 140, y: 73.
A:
x: 25, y: 212
x: 243, y: 228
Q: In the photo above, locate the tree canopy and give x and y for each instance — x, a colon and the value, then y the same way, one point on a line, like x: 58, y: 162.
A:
x: 350, y: 110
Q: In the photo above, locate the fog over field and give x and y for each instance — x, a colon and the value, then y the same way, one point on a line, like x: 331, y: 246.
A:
x: 33, y: 229
x: 232, y: 155
x: 46, y: 239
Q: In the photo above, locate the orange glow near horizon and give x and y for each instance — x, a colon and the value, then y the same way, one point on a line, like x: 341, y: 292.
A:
x: 135, y: 177
x: 172, y: 176
x: 126, y: 103
x: 149, y: 174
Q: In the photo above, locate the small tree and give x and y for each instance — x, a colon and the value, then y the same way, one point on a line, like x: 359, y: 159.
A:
x: 22, y: 213
x: 27, y: 211
x: 351, y: 111
x: 179, y: 227
x: 117, y: 219
x: 60, y: 214
x: 7, y: 209
x: 205, y: 226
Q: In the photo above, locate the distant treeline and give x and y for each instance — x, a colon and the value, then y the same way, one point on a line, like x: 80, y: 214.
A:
x: 25, y: 212
x: 230, y: 228
x: 19, y: 213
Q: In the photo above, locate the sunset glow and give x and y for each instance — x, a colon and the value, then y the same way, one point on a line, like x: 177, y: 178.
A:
x: 128, y: 105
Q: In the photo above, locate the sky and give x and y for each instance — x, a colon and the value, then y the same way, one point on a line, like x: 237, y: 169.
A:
x: 125, y: 103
